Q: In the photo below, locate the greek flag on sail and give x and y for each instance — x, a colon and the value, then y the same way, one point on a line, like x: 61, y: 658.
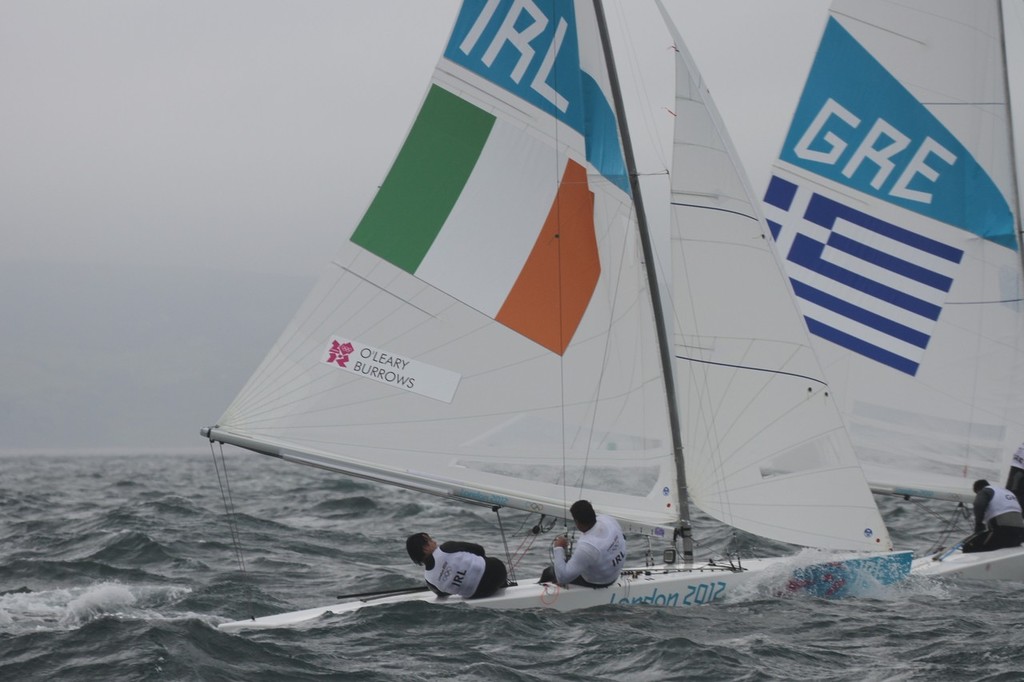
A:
x: 866, y: 284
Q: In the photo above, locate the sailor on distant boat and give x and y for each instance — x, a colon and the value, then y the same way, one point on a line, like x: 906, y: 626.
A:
x: 461, y: 568
x: 997, y: 510
x: 600, y: 552
x: 1015, y: 481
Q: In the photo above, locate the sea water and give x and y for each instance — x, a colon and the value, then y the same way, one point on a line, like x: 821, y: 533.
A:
x: 130, y: 563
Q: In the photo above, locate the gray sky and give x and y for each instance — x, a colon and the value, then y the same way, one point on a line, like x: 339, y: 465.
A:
x: 173, y: 174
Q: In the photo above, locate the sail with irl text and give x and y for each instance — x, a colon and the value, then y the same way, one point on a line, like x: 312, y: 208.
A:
x: 486, y: 332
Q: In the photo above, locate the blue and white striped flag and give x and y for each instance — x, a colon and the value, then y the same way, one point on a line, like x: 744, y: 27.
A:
x: 866, y: 284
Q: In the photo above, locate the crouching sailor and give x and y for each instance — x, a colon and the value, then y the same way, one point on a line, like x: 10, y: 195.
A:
x: 997, y: 511
x: 600, y: 552
x: 461, y: 568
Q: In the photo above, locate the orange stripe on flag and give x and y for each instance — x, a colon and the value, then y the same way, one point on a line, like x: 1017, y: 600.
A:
x: 554, y: 288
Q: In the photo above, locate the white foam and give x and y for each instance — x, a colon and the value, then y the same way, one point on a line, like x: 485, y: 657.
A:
x: 71, y: 608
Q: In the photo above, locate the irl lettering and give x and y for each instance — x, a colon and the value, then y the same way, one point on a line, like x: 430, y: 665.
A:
x: 836, y: 130
x: 532, y: 22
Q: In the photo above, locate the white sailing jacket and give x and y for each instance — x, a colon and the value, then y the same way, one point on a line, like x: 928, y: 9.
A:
x: 456, y: 573
x: 1003, y: 502
x: 599, y: 556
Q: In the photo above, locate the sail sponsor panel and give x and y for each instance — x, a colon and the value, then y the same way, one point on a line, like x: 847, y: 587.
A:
x: 532, y: 51
x: 867, y: 284
x: 389, y: 368
x: 858, y: 126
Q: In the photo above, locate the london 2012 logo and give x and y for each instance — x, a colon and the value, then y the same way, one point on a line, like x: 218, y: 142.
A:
x: 339, y: 352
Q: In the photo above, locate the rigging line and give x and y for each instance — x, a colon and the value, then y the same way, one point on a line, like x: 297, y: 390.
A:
x: 561, y: 356
x: 275, y: 364
x: 702, y: 98
x: 864, y: 22
x: 938, y: 103
x: 559, y: 178
x: 317, y: 323
x: 753, y: 369
x: 646, y: 110
x: 229, y: 511
x: 664, y: 349
x: 526, y: 544
x: 600, y: 380
x: 1015, y: 189
x: 996, y: 301
x: 404, y: 300
x: 960, y: 511
x: 263, y: 389
x: 931, y: 512
x: 713, y: 208
x: 508, y: 557
x: 612, y: 319
x: 269, y: 403
x: 302, y: 390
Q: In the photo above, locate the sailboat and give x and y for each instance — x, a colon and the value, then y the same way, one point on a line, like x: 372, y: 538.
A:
x: 895, y: 205
x: 502, y: 328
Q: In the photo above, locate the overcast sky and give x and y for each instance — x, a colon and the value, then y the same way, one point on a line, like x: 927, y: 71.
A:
x: 237, y: 133
x: 159, y: 139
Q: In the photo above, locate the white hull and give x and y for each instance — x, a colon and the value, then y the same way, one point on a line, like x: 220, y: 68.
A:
x: 664, y: 585
x: 1000, y: 564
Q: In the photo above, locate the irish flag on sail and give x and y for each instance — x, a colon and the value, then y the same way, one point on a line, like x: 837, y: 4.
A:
x: 524, y: 255
x: 481, y: 206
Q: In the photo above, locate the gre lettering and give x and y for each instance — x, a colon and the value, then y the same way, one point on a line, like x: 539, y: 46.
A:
x: 836, y: 130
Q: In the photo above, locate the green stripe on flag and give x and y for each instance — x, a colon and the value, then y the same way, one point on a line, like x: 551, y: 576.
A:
x: 424, y: 183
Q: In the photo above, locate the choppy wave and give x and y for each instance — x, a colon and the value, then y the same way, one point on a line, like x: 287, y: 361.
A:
x: 73, y: 607
x: 129, y: 581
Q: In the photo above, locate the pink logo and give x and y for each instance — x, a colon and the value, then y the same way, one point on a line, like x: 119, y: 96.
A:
x: 339, y: 353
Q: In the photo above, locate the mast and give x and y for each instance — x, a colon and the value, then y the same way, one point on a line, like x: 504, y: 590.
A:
x: 659, y: 318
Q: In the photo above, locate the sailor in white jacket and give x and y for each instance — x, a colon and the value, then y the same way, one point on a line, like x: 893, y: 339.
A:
x: 599, y: 555
x: 461, y: 568
x: 998, y: 519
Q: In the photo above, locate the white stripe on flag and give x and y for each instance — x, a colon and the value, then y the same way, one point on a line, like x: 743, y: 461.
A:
x: 862, y: 332
x: 895, y: 248
x: 884, y: 276
x: 859, y: 299
x: 493, y: 226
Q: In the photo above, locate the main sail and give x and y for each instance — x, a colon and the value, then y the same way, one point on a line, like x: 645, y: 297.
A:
x: 486, y: 332
x: 765, y: 447
x: 894, y: 204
